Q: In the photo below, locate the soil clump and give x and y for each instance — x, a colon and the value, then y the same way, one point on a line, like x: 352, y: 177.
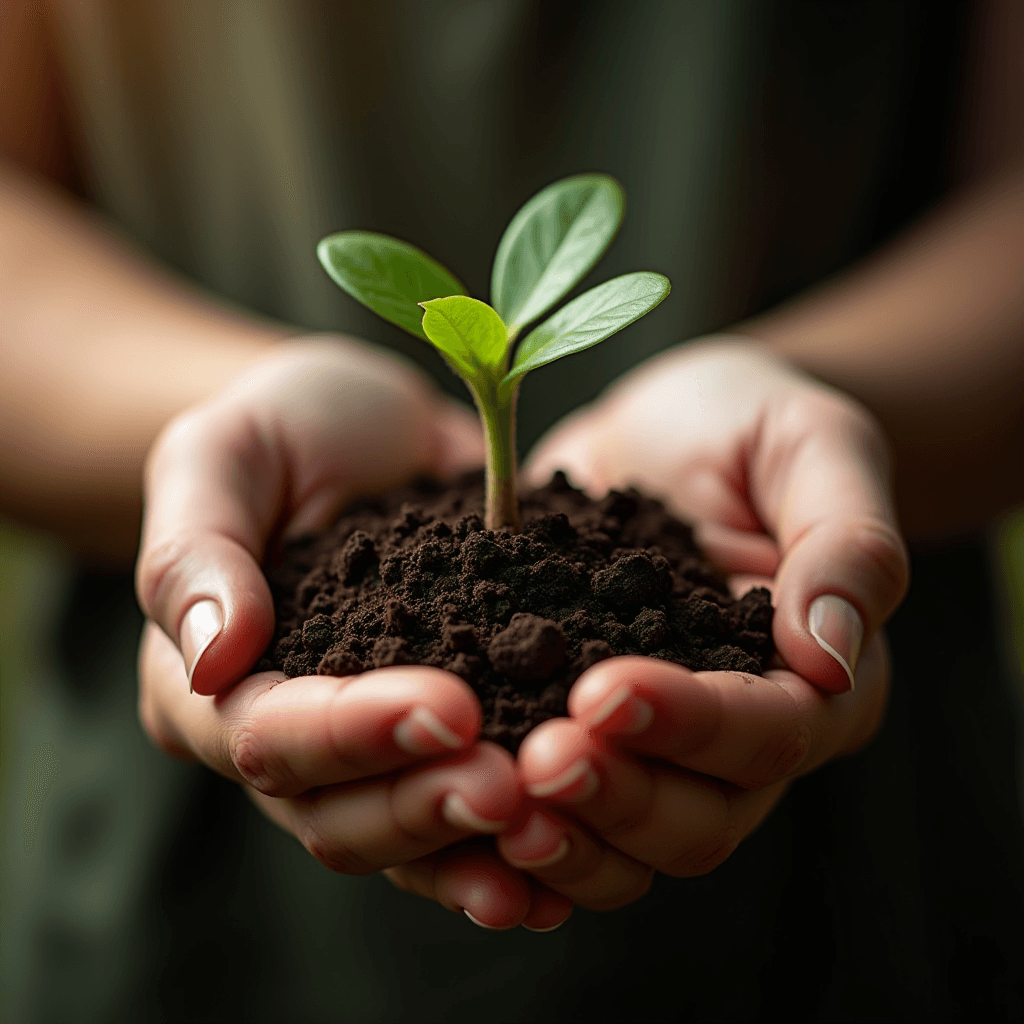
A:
x: 413, y: 577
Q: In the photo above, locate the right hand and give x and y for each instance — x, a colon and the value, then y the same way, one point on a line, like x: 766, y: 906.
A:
x: 787, y: 483
x: 370, y: 771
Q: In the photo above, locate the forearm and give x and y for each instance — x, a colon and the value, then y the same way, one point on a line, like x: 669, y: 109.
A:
x: 99, y: 349
x: 929, y: 334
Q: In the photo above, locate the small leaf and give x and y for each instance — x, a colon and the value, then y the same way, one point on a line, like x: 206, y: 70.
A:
x: 589, y: 319
x: 388, y: 276
x: 469, y: 333
x: 551, y: 243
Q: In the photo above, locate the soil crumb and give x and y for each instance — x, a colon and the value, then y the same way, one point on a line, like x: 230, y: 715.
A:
x: 413, y: 578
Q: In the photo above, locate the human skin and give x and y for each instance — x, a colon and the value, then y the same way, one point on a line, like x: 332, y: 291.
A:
x: 133, y: 324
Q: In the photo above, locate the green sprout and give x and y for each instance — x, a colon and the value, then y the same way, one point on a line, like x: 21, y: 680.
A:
x: 549, y: 246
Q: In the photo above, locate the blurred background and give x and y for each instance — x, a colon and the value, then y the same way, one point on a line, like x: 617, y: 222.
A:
x: 763, y: 147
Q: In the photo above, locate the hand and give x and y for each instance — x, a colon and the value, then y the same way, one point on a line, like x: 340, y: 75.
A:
x: 662, y: 768
x: 369, y: 771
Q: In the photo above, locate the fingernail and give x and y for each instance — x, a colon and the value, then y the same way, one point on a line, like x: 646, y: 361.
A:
x: 540, y: 931
x: 199, y: 628
x: 538, y: 844
x: 460, y: 815
x: 578, y: 782
x: 422, y: 732
x: 480, y: 924
x: 623, y: 712
x: 836, y: 626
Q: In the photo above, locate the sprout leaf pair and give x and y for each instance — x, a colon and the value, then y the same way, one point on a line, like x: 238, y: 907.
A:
x: 549, y: 246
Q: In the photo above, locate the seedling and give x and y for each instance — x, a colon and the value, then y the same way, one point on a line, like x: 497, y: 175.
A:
x: 548, y: 247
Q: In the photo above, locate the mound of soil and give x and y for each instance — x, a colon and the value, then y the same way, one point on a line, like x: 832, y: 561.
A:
x: 414, y: 578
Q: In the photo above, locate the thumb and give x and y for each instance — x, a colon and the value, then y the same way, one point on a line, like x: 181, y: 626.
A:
x: 212, y: 498
x: 825, y: 496
x: 570, y: 446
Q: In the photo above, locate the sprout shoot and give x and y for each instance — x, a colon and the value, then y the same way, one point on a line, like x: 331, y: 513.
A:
x: 549, y: 246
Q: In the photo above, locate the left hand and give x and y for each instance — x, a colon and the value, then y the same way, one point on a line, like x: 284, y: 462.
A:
x: 381, y: 770
x: 660, y: 768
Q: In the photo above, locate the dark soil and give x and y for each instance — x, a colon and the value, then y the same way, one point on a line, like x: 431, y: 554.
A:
x: 413, y: 578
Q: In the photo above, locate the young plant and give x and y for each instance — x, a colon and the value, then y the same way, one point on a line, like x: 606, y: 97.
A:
x: 549, y: 246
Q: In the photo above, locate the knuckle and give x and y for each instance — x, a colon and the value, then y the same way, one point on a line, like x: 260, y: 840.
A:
x: 259, y: 767
x: 881, y: 548
x: 330, y: 852
x: 783, y: 755
x: 849, y: 418
x: 158, y: 567
x: 805, y: 415
x: 179, y: 435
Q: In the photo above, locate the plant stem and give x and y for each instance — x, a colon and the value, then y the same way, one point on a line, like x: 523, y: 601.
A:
x: 501, y: 508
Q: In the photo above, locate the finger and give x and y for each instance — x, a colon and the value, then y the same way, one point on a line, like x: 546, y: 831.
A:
x: 160, y: 667
x: 820, y: 478
x: 271, y: 452
x: 569, y: 447
x: 571, y: 861
x: 471, y: 879
x: 446, y: 441
x: 477, y: 790
x: 548, y: 911
x: 752, y: 731
x: 318, y: 731
x: 284, y: 736
x: 676, y: 821
x: 349, y: 419
x: 737, y: 551
x: 213, y: 494
x: 363, y: 827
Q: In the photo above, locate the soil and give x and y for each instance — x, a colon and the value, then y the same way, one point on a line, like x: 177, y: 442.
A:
x: 414, y: 578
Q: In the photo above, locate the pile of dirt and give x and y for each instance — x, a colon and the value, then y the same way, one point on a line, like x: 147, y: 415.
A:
x: 414, y: 578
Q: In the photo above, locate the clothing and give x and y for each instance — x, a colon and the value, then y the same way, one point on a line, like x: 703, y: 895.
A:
x: 761, y: 146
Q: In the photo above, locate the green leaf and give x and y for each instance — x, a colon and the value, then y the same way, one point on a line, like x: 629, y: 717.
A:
x: 551, y: 243
x: 388, y: 276
x: 469, y: 333
x: 594, y: 316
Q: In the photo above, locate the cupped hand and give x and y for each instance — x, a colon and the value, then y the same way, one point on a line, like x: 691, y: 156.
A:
x: 368, y: 772
x: 660, y: 768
